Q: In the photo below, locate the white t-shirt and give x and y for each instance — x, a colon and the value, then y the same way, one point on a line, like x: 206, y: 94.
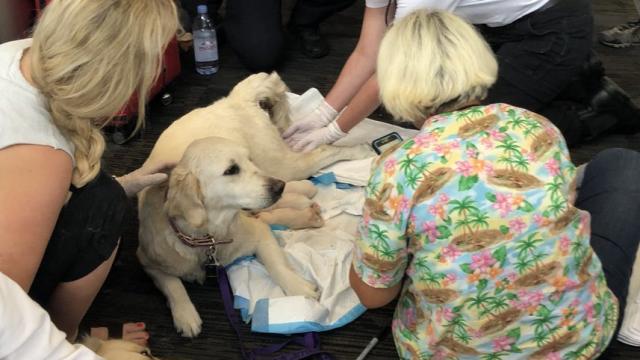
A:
x: 24, y: 118
x: 487, y: 12
x: 26, y: 331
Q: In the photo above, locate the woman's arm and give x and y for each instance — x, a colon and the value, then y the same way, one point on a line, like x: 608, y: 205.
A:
x: 34, y: 182
x: 361, y: 65
x: 372, y: 297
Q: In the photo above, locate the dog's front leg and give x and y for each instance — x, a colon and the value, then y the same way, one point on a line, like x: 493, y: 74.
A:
x: 185, y: 316
x: 301, y: 165
x: 271, y: 255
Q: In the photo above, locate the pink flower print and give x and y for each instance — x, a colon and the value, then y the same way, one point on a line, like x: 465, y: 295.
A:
x: 553, y: 356
x: 450, y: 251
x: 512, y: 277
x: 496, y: 134
x: 385, y: 279
x: 441, y: 149
x: 451, y: 277
x: 564, y: 243
x: 589, y: 311
x: 410, y: 316
x: 540, y: 220
x: 475, y: 333
x: 503, y: 204
x: 464, y: 167
x: 502, y: 343
x: 440, y: 354
x: 575, y: 302
x: 403, y: 203
x: 437, y: 210
x: 488, y: 168
x: 447, y: 314
x: 486, y: 142
x: 430, y: 229
x: 390, y: 164
x: 517, y: 225
x: 443, y: 199
x: 482, y: 262
x: 455, y: 144
x: 471, y: 153
x: 553, y: 166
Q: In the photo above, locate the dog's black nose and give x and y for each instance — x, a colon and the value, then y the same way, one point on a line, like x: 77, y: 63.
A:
x: 276, y: 187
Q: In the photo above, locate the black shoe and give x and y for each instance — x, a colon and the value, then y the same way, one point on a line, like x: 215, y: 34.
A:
x: 612, y: 99
x: 313, y: 45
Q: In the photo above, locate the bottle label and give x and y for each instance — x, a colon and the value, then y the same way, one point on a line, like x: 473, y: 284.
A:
x: 205, y: 46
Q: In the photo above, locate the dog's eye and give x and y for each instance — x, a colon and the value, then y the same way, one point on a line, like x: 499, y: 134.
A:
x: 232, y: 170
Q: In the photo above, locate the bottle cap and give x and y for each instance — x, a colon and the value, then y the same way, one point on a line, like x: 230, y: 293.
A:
x: 202, y: 9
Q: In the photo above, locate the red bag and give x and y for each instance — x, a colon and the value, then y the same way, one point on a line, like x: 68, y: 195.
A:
x: 119, y: 130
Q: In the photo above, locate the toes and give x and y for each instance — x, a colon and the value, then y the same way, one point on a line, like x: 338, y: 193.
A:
x: 135, y: 332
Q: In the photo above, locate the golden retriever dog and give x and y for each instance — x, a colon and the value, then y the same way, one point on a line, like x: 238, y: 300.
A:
x: 231, y: 160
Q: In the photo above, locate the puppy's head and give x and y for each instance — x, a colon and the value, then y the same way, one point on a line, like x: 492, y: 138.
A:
x: 216, y: 174
x: 269, y: 92
x: 117, y: 349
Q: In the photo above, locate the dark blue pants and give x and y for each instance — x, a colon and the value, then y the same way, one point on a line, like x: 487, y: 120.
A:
x: 610, y: 192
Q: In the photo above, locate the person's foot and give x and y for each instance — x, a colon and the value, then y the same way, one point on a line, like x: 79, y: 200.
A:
x: 134, y: 332
x: 313, y: 45
x: 621, y: 36
x: 611, y: 98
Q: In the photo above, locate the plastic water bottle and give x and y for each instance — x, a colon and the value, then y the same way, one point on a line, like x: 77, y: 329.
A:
x: 205, y: 43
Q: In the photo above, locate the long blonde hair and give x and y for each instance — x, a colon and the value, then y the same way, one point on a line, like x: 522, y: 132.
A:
x: 431, y: 62
x: 89, y: 57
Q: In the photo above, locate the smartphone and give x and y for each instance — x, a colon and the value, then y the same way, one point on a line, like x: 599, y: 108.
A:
x: 384, y: 142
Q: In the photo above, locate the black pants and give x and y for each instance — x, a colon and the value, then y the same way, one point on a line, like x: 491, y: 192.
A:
x: 253, y: 28
x: 85, y: 235
x: 539, y: 57
x: 610, y: 192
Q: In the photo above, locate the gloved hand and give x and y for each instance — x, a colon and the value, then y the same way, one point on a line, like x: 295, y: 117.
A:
x: 319, y: 117
x: 314, y: 138
x: 135, y: 181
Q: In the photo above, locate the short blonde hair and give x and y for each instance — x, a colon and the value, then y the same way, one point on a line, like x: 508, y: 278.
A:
x: 89, y: 57
x: 431, y: 62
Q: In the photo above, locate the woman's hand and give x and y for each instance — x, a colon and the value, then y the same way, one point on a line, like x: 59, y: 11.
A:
x: 319, y: 118
x: 137, y: 180
x: 310, y: 140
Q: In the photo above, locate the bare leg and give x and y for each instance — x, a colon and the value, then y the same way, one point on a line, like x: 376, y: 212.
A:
x: 71, y: 300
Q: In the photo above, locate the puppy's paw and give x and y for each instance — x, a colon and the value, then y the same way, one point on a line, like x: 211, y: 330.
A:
x: 297, y: 286
x: 315, y: 216
x: 187, y: 320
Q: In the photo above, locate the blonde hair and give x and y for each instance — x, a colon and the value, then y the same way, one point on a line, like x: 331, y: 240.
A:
x: 430, y: 62
x: 89, y: 57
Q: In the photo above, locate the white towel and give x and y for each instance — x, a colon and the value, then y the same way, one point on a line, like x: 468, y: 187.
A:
x: 630, y: 329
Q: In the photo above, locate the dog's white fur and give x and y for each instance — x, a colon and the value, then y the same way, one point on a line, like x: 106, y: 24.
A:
x: 246, y: 128
x: 117, y: 349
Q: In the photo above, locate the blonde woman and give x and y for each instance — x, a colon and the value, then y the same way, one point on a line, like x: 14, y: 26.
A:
x: 60, y: 214
x: 476, y: 214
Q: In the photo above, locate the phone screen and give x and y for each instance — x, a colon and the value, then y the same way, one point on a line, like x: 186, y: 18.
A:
x: 383, y: 143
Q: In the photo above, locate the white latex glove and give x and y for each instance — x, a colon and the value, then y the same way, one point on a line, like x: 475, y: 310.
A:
x: 135, y: 181
x: 314, y: 138
x: 318, y: 118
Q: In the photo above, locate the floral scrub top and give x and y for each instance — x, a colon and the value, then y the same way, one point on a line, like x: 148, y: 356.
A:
x: 476, y: 213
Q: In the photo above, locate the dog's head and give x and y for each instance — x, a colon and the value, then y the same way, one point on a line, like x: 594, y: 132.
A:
x: 216, y: 174
x: 269, y: 92
x: 117, y: 349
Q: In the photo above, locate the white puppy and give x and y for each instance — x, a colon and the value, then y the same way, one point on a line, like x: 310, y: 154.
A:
x: 216, y: 178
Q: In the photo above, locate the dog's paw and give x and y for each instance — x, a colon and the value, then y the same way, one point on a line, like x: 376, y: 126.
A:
x: 297, y: 286
x: 315, y: 216
x: 187, y: 320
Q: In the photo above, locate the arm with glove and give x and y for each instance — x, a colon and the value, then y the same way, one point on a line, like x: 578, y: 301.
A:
x: 356, y: 86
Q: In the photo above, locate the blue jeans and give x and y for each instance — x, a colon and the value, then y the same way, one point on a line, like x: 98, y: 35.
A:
x: 610, y: 192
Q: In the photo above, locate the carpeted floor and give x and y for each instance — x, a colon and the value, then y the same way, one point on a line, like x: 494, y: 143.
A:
x: 129, y: 294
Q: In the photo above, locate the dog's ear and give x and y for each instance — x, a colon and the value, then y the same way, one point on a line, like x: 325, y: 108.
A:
x: 184, y: 198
